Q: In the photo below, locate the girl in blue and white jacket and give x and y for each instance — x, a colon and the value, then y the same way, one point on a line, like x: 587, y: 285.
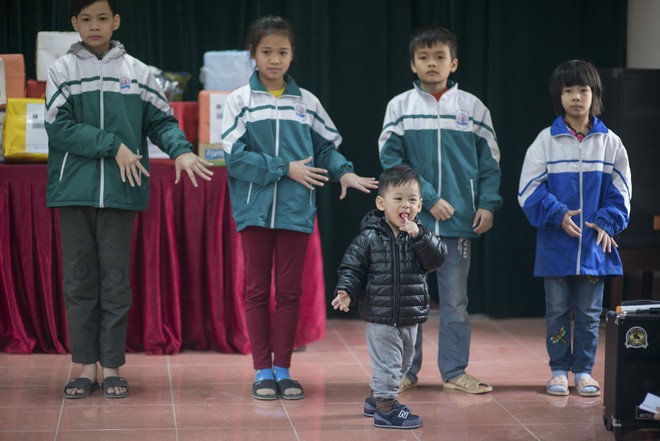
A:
x: 575, y: 188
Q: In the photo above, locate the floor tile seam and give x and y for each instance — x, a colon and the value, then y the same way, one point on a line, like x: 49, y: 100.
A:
x: 338, y: 334
x: 146, y: 429
x: 232, y: 426
x: 518, y: 421
x: 172, y: 403
x: 59, y: 417
x: 529, y: 349
x: 293, y: 426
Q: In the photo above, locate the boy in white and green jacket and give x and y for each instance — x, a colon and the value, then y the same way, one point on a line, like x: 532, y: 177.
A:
x: 101, y: 104
x: 447, y: 136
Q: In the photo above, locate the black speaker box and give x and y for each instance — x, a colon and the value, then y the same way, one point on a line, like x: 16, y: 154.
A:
x: 631, y: 110
x: 632, y: 369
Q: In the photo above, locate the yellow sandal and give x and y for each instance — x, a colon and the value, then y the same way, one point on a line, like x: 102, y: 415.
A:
x: 467, y: 383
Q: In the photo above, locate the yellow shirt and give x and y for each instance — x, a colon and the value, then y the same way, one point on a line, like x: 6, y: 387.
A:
x: 277, y: 93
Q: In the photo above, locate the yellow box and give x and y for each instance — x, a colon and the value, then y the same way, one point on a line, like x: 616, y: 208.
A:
x: 25, y: 138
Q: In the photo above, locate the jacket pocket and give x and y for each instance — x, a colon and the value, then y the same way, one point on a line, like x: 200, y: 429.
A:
x: 66, y: 155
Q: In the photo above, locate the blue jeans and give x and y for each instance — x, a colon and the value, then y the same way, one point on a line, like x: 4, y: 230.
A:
x: 584, y: 296
x: 455, y: 326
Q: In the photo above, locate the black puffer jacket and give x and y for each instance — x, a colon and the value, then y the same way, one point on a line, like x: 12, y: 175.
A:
x: 388, y: 273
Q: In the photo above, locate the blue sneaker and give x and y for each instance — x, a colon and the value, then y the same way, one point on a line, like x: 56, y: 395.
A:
x: 398, y: 418
x: 369, y: 407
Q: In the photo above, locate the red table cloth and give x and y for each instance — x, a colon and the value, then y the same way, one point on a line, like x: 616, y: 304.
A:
x: 186, y: 269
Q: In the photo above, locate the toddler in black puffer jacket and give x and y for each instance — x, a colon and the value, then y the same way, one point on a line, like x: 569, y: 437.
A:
x: 384, y: 271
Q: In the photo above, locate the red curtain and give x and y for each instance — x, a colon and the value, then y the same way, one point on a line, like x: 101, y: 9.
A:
x: 186, y: 269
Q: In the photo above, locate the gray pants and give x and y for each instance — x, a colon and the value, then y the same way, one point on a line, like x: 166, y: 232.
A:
x: 96, y: 246
x: 391, y: 349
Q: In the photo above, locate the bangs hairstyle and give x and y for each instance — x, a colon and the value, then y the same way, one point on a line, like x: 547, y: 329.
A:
x: 397, y: 176
x: 576, y: 73
x: 267, y: 25
x: 427, y: 37
x: 79, y: 5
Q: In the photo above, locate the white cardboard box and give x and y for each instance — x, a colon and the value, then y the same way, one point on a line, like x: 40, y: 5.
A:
x: 226, y: 70
x: 3, y: 91
x: 50, y: 47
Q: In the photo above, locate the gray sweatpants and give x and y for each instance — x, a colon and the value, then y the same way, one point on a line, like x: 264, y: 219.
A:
x: 96, y: 246
x: 391, y: 349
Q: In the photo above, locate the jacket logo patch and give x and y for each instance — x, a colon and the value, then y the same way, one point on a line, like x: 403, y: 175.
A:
x: 124, y: 83
x: 636, y: 337
x: 462, y: 119
x: 301, y: 110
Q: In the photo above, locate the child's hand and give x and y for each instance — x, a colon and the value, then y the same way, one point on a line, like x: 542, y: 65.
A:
x: 483, y: 221
x: 569, y: 226
x: 307, y: 176
x: 358, y: 182
x: 129, y: 165
x: 442, y: 210
x: 193, y: 165
x: 410, y: 228
x: 605, y: 240
x: 342, y: 301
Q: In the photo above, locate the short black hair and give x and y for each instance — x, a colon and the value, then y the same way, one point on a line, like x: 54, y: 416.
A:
x: 79, y: 5
x: 397, y: 176
x: 267, y: 25
x: 427, y: 37
x: 576, y: 73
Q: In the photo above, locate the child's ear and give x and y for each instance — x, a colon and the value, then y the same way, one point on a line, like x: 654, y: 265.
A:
x: 251, y: 49
x: 74, y: 23
x: 116, y: 21
x: 380, y: 203
x: 454, y: 65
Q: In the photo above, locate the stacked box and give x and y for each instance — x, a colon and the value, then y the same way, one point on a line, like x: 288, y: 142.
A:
x: 50, y: 47
x: 211, y: 110
x: 25, y: 138
x: 12, y: 77
x: 226, y: 70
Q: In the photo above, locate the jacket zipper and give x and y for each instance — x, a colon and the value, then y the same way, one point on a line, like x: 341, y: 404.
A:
x: 437, y: 222
x: 396, y: 291
x: 579, y: 251
x: 102, y: 127
x: 66, y: 155
x: 277, y: 151
x: 474, y: 206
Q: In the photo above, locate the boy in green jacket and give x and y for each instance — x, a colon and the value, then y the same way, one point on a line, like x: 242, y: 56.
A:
x: 101, y: 104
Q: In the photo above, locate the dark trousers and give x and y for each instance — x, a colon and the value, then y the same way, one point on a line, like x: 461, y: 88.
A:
x: 96, y: 245
x: 264, y: 248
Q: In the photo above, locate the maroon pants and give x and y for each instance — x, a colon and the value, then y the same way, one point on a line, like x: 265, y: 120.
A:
x: 264, y: 248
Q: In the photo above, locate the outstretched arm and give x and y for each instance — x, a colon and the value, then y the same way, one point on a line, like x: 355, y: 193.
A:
x: 365, y: 185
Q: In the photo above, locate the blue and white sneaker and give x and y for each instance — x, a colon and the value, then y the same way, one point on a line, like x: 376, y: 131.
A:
x: 369, y: 407
x: 400, y: 417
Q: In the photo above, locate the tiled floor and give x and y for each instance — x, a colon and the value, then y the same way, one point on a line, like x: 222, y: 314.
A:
x: 206, y: 396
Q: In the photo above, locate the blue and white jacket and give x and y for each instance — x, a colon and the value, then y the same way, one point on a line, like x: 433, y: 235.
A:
x: 560, y: 173
x: 452, y: 146
x: 261, y: 135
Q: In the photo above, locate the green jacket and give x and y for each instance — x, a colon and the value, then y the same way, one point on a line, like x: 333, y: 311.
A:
x: 452, y: 145
x: 92, y: 106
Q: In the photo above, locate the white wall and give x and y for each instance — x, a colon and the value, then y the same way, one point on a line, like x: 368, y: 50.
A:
x: 643, y: 46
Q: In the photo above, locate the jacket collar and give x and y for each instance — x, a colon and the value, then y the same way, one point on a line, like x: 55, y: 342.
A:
x: 291, y: 85
x: 452, y: 87
x: 82, y: 51
x: 559, y: 127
